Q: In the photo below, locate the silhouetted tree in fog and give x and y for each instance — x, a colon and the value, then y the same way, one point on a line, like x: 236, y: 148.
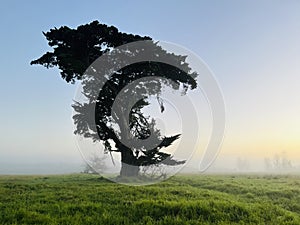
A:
x: 74, y: 50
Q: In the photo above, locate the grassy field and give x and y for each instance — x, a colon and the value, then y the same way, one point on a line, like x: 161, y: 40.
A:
x: 202, y: 199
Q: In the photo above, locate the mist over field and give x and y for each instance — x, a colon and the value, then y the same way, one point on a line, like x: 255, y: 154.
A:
x: 223, y: 164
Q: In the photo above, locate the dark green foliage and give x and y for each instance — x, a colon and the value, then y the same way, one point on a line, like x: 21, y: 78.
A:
x: 88, y: 199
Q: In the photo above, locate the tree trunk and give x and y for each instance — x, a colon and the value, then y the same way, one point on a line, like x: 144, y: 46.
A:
x: 129, y: 168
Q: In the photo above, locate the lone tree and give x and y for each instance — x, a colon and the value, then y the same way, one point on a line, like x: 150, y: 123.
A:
x: 75, y: 50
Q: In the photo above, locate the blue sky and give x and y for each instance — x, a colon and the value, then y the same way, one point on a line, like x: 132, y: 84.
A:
x: 253, y: 48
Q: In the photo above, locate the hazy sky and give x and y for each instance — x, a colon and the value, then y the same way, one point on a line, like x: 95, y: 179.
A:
x: 253, y: 48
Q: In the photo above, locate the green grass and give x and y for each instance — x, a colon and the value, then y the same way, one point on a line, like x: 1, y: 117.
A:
x: 202, y: 199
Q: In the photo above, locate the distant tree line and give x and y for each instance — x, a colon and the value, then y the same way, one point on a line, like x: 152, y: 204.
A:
x: 278, y: 162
